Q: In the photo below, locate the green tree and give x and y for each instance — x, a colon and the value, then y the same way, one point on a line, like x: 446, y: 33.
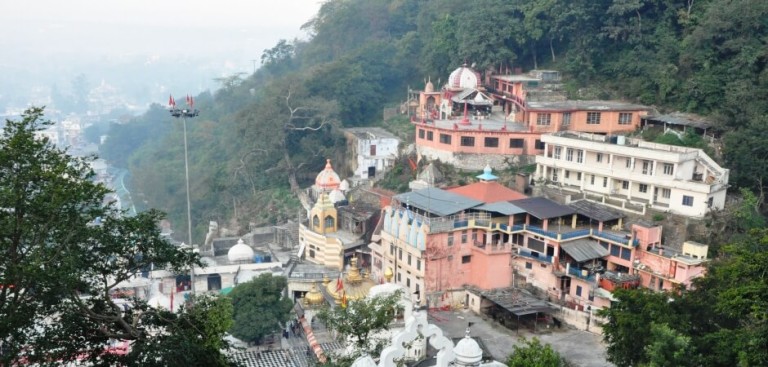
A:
x: 64, y: 251
x: 629, y: 322
x: 259, y: 308
x: 669, y: 348
x: 360, y: 320
x: 534, y: 354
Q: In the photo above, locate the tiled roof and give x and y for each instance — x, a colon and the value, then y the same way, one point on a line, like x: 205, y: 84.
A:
x: 488, y: 192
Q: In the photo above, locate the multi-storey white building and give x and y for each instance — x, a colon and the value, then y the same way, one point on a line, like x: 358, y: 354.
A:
x: 374, y: 150
x: 631, y: 173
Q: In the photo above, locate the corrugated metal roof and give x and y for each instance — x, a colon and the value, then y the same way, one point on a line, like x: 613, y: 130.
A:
x: 543, y: 208
x: 584, y: 249
x: 517, y: 302
x: 598, y: 212
x: 501, y: 207
x: 437, y: 201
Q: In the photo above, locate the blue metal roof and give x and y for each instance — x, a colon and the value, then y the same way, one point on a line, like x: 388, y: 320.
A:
x: 437, y: 201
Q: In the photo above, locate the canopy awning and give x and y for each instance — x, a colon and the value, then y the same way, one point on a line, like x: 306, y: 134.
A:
x: 584, y: 249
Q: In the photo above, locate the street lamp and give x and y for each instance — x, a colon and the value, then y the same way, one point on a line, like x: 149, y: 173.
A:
x: 185, y: 113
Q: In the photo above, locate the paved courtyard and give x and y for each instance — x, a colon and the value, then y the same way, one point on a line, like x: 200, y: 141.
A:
x: 581, y: 348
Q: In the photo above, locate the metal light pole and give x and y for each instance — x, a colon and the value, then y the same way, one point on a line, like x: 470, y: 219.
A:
x: 185, y: 113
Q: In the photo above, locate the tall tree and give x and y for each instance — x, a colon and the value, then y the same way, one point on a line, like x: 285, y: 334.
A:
x: 63, y: 252
x: 534, y: 354
x: 259, y: 307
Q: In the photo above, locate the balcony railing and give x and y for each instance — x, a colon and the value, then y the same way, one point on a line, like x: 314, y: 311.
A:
x: 581, y: 273
x: 534, y: 255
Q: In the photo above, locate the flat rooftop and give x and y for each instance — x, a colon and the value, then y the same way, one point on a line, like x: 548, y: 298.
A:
x: 572, y: 105
x: 366, y: 133
x: 496, y: 121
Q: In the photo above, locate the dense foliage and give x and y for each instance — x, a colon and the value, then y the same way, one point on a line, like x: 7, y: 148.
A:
x: 705, y: 56
x: 534, y: 354
x: 359, y: 323
x: 62, y: 253
x: 259, y: 308
x: 723, y: 321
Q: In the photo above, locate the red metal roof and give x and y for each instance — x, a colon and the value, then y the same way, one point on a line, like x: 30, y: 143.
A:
x: 487, y: 192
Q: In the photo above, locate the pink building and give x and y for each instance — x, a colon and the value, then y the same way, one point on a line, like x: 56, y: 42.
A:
x: 470, y: 124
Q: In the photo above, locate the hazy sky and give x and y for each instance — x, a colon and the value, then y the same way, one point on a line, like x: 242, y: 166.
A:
x: 161, y: 27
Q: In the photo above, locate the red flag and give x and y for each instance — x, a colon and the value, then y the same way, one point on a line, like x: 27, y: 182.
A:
x: 344, y: 300
x: 339, y: 284
x: 191, y: 102
x: 171, y: 102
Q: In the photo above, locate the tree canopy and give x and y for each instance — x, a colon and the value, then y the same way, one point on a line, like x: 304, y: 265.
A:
x: 534, y: 354
x: 259, y: 308
x: 63, y: 250
x: 723, y: 320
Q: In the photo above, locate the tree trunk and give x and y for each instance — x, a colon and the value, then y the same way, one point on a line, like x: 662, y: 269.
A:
x: 551, y: 48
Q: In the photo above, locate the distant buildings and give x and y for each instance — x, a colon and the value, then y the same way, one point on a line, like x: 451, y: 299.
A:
x: 632, y: 174
x: 470, y: 125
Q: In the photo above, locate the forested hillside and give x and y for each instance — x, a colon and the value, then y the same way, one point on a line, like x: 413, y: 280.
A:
x: 704, y: 56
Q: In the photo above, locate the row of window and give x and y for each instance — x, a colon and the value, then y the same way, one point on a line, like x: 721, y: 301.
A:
x: 593, y: 118
x: 400, y: 256
x: 469, y: 141
x: 668, y: 168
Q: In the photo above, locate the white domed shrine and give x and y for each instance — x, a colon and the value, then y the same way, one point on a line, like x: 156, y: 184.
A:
x: 327, y: 179
x: 463, y: 78
x: 468, y: 352
x: 240, y: 253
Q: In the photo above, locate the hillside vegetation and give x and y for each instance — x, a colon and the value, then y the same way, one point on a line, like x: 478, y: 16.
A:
x: 704, y: 56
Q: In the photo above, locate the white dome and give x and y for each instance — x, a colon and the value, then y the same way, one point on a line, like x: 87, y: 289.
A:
x: 240, y: 252
x: 160, y: 301
x: 464, y: 77
x: 327, y: 179
x: 467, y: 352
x: 336, y: 196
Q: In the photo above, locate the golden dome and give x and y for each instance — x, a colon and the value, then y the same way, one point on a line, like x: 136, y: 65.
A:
x: 388, y: 274
x: 354, y: 285
x: 313, y: 297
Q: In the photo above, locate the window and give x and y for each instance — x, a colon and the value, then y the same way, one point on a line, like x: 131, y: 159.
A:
x: 625, y: 185
x: 566, y: 118
x: 466, y: 259
x: 329, y: 222
x: 578, y: 291
x: 625, y: 118
x: 418, y: 264
x: 392, y: 249
x: 417, y: 289
x: 400, y: 254
x: 666, y: 193
x: 554, y: 175
x: 516, y: 143
x: 578, y: 176
x: 593, y: 118
x: 474, y: 236
x: 544, y: 119
x: 605, y: 181
x: 538, y: 144
x: 710, y: 202
x: 398, y: 277
x: 445, y: 138
x: 647, y: 167
x: 558, y: 152
x: 579, y: 156
x: 629, y: 162
x: 643, y: 188
x: 373, y: 150
x: 599, y: 157
x: 315, y: 221
x: 450, y: 258
x: 312, y: 253
x: 409, y: 259
x: 669, y: 169
x: 421, y: 133
x: 592, y: 180
x: 408, y: 282
x: 615, y: 250
x: 567, y: 174
x: 430, y: 135
x: 467, y: 141
x: 569, y: 154
x: 463, y: 236
x: 450, y: 239
x: 491, y: 142
x: 528, y: 265
x: 626, y: 253
x: 687, y: 200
